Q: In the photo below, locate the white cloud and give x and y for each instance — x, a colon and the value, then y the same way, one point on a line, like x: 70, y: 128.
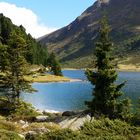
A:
x: 25, y: 17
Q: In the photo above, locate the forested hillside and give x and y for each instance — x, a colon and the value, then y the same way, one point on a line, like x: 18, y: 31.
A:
x: 34, y: 53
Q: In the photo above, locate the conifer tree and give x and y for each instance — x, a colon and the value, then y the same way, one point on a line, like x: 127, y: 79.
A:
x: 3, y: 57
x: 55, y: 65
x: 106, y: 92
x: 14, y: 67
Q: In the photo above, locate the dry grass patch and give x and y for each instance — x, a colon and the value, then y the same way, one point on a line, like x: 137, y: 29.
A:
x: 129, y: 67
x: 47, y: 78
x: 34, y: 126
x: 9, y: 126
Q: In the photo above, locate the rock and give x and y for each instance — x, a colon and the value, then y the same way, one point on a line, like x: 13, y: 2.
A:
x: 22, y: 122
x: 25, y: 125
x: 68, y: 113
x: 34, y: 76
x: 41, y: 130
x: 50, y: 111
x: 39, y: 112
x: 21, y: 136
x: 75, y: 122
x: 41, y: 118
x: 30, y: 135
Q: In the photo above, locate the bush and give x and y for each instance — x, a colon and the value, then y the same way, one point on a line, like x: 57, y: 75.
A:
x: 64, y: 134
x: 24, y: 111
x: 8, y: 135
x: 4, y: 125
x: 96, y: 130
x: 50, y: 127
x: 110, y: 129
x: 17, y: 110
x: 136, y: 117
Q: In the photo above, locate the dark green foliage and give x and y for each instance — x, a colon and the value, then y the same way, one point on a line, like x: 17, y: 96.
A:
x: 20, y: 110
x: 9, y: 135
x: 23, y: 111
x: 110, y: 130
x: 16, y: 49
x: 132, y: 44
x: 106, y: 92
x: 54, y: 64
x: 15, y: 68
x: 3, y: 57
x: 103, y: 129
x: 136, y: 117
x: 64, y: 134
x: 5, y: 28
x: 35, y: 54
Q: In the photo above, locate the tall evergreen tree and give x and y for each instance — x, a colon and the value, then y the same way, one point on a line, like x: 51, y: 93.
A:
x: 14, y: 67
x: 36, y: 53
x: 106, y: 92
x: 55, y: 65
x: 3, y: 57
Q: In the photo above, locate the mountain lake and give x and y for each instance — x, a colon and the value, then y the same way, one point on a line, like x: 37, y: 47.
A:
x: 62, y: 96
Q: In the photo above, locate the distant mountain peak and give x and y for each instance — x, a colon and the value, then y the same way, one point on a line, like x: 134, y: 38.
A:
x: 100, y: 2
x: 103, y: 1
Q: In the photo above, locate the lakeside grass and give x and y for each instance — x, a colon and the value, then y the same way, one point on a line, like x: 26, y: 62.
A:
x: 47, y: 78
x: 120, y: 67
x: 130, y: 67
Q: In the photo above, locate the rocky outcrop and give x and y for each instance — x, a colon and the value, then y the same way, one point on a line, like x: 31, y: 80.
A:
x: 68, y: 113
x: 75, y: 122
x: 41, y: 118
x: 72, y: 120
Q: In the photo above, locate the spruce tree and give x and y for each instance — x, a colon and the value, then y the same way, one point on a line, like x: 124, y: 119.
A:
x: 14, y: 68
x: 106, y: 93
x: 55, y: 65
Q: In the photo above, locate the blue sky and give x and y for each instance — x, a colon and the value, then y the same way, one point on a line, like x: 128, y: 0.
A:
x: 51, y: 13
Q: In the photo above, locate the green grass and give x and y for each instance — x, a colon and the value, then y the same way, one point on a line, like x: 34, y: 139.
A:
x: 9, y: 135
x: 103, y: 129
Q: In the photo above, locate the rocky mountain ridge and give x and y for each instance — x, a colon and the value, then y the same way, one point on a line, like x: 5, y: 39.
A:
x: 74, y: 43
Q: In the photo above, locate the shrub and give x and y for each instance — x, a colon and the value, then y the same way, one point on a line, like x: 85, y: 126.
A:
x: 50, y: 127
x: 64, y: 134
x: 8, y: 135
x: 110, y: 129
x: 18, y: 110
x: 4, y: 125
x: 24, y: 111
x: 97, y: 130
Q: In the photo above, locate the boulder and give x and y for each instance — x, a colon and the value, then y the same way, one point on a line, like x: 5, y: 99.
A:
x: 68, y: 113
x: 41, y: 118
x: 30, y: 135
x: 75, y: 122
x: 25, y: 125
x: 22, y: 122
x: 39, y: 112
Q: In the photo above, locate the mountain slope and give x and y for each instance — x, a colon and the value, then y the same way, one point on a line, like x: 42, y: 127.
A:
x: 35, y: 54
x: 74, y: 43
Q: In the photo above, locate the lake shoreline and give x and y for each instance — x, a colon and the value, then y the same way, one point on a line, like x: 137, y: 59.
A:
x: 62, y: 96
x: 48, y: 78
x: 124, y: 69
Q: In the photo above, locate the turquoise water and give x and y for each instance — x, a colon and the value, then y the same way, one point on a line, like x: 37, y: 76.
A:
x: 71, y: 95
